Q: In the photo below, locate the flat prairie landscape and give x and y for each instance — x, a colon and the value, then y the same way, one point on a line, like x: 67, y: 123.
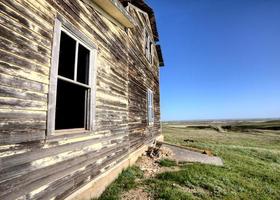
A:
x: 250, y: 151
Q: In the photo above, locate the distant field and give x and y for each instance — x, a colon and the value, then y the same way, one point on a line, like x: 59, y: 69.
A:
x: 251, y: 155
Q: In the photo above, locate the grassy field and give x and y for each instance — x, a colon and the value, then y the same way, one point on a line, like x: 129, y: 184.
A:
x: 251, y: 167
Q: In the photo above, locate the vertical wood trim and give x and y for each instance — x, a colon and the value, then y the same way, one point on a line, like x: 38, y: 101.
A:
x: 53, y: 78
x: 87, y: 109
x: 92, y: 82
x: 76, y: 60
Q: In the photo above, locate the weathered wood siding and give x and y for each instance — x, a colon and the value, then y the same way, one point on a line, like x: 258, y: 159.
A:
x: 142, y: 76
x: 34, y: 165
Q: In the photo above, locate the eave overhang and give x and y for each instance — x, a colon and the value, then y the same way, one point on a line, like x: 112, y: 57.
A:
x: 116, y: 10
x: 160, y: 57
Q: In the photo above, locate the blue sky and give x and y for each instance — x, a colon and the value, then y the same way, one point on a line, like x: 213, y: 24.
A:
x: 222, y: 58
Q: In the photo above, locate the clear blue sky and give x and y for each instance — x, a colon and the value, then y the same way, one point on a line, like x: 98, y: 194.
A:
x: 222, y: 58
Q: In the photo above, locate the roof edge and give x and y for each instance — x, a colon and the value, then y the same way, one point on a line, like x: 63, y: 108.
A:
x: 160, y: 57
x: 116, y: 10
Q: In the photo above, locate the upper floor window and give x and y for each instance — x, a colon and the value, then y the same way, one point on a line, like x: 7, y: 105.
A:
x: 148, y: 47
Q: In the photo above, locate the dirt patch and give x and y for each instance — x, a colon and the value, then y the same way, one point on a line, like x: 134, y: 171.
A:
x: 148, y: 166
x: 136, y: 194
x: 149, y: 163
x: 159, y: 152
x: 166, y: 152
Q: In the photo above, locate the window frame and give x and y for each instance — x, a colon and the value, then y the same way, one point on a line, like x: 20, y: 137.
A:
x: 150, y: 107
x: 62, y: 25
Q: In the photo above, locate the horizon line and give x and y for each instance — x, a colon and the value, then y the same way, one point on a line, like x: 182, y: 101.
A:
x: 223, y: 119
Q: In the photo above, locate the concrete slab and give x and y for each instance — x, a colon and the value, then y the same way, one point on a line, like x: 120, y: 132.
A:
x: 185, y: 155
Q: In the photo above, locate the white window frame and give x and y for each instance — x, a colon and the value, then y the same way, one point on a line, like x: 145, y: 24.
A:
x: 62, y: 25
x: 150, y: 107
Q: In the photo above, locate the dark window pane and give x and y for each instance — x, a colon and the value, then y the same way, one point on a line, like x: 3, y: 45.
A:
x: 83, y: 64
x: 66, y: 56
x: 70, y: 106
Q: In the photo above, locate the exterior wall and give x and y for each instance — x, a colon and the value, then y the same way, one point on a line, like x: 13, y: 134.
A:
x: 142, y: 76
x: 34, y: 165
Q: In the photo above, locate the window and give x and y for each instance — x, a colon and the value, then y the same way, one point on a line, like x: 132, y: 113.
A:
x: 71, y: 88
x: 150, y: 107
x: 148, y: 46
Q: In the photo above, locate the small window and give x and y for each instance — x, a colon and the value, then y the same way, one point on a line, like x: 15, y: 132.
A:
x: 150, y: 107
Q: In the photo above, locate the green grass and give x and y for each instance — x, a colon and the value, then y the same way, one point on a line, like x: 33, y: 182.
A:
x: 124, y: 182
x: 164, y: 189
x: 167, y: 163
x: 251, y: 168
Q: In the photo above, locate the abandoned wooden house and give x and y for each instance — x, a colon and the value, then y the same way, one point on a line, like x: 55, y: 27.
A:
x: 79, y: 94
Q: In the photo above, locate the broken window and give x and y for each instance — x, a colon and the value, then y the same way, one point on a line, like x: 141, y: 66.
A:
x: 150, y: 107
x: 148, y: 46
x: 73, y: 85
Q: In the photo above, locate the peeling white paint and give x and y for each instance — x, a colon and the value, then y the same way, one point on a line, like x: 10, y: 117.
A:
x: 13, y: 152
x: 5, y: 147
x: 79, y: 139
x: 38, y: 190
x: 21, y: 198
x: 108, y: 97
x: 99, y: 161
x: 44, y: 162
